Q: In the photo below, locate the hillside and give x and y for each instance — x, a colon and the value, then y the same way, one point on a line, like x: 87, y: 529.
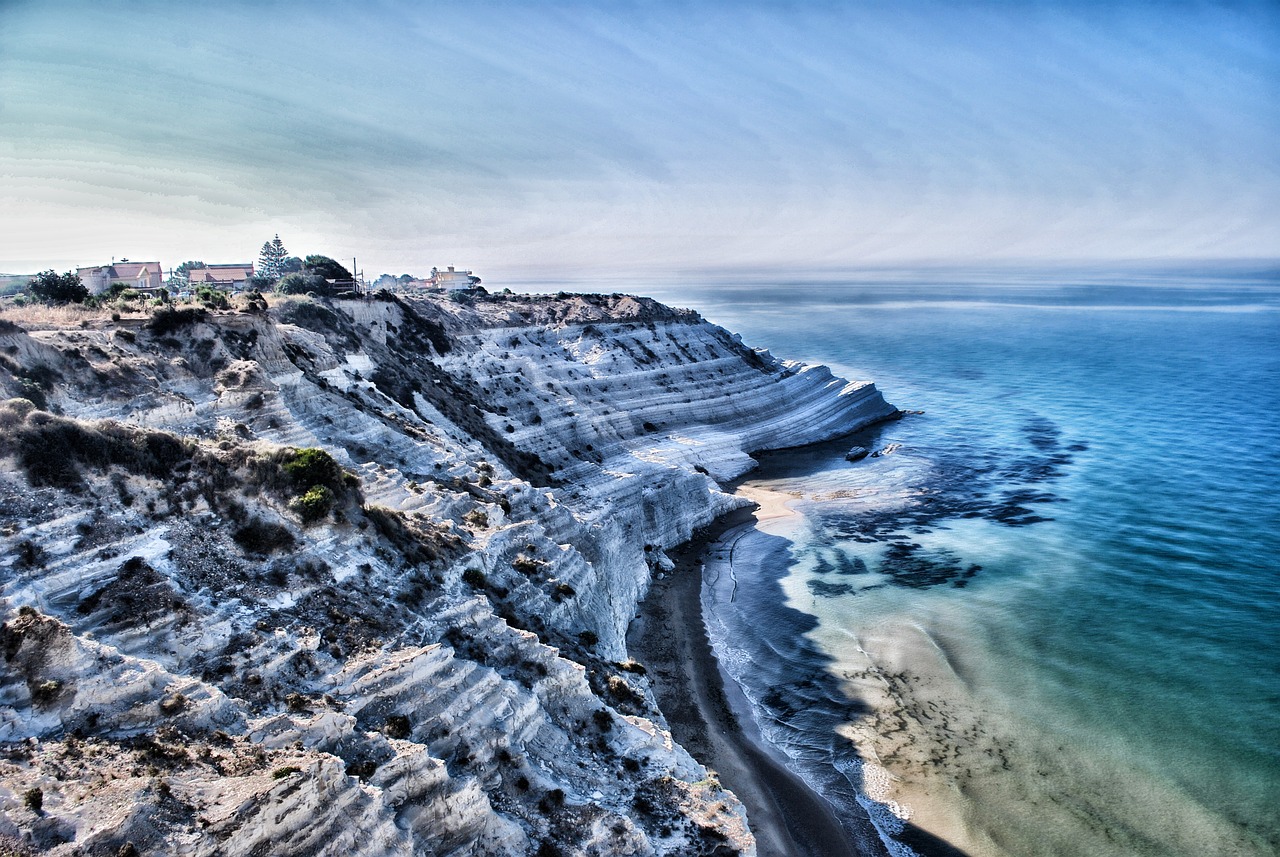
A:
x: 313, y: 577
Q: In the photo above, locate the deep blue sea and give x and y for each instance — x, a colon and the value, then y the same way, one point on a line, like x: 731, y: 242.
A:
x: 1047, y: 619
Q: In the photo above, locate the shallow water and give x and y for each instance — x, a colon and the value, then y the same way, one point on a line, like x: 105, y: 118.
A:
x: 1046, y: 623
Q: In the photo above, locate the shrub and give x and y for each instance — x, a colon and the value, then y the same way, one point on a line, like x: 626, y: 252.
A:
x: 397, y: 726
x: 53, y: 288
x: 588, y: 638
x: 363, y: 769
x: 621, y: 691
x: 314, y: 504
x: 28, y: 554
x: 312, y: 466
x: 34, y: 800
x: 474, y: 578
x: 632, y: 666
x: 172, y: 705
x: 212, y: 297
x: 526, y: 564
x: 45, y: 692
x: 287, y: 770
x: 167, y: 320
x: 263, y: 537
x: 299, y: 283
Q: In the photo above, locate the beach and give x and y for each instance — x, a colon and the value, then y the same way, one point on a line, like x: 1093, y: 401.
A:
x: 669, y: 637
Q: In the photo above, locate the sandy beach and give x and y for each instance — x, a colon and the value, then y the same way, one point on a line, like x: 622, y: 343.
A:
x: 668, y: 636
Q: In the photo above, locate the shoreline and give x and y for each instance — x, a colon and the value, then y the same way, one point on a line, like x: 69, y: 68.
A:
x: 668, y: 636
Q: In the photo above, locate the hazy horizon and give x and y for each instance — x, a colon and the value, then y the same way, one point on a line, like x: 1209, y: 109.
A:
x: 530, y: 140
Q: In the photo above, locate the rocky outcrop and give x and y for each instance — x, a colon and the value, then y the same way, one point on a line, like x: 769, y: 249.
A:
x: 355, y: 575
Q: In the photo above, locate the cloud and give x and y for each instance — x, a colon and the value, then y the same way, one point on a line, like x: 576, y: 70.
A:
x: 665, y: 135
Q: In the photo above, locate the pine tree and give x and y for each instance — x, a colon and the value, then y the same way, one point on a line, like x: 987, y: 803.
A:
x: 271, y: 259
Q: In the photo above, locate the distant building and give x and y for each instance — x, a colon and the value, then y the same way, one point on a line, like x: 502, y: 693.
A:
x: 234, y: 277
x: 144, y: 276
x: 452, y: 279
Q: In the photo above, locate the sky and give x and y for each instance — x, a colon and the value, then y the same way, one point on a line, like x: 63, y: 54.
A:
x: 525, y: 139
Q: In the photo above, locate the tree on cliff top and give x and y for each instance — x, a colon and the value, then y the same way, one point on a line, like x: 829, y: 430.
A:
x: 54, y: 288
x: 326, y: 267
x: 184, y: 270
x: 272, y: 258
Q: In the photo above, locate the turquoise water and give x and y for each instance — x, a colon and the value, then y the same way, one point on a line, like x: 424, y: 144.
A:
x: 1048, y: 621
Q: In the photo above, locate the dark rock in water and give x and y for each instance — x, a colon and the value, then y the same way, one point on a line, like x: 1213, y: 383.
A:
x: 857, y: 453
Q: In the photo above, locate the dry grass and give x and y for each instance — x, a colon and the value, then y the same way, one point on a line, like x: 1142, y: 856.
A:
x: 41, y: 316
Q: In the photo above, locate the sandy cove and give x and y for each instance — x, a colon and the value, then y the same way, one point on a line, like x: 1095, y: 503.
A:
x: 669, y: 637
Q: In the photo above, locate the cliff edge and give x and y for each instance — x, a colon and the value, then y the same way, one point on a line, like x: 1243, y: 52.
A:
x: 324, y: 577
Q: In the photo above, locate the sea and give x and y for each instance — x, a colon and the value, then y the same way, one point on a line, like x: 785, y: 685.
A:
x: 1042, y: 616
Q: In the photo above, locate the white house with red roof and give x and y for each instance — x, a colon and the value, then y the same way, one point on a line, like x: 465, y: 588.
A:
x: 145, y: 276
x: 233, y: 276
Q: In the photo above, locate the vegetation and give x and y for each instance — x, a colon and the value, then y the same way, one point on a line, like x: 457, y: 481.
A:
x: 271, y: 259
x: 171, y: 705
x: 53, y: 288
x: 167, y: 319
x: 263, y: 537
x: 326, y: 267
x: 314, y: 504
x: 311, y: 466
x: 212, y: 298
x: 313, y: 275
x: 286, y: 771
x: 52, y: 450
x: 301, y: 283
x: 45, y: 692
x: 397, y: 726
x: 184, y: 270
x: 474, y: 578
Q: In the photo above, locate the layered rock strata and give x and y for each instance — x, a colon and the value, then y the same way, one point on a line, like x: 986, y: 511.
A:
x: 326, y: 577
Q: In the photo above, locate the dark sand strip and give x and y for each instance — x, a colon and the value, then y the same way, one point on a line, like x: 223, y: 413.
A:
x: 669, y: 637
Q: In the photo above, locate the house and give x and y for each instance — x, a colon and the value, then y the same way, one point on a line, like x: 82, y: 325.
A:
x: 144, y: 276
x: 234, y: 277
x: 452, y: 279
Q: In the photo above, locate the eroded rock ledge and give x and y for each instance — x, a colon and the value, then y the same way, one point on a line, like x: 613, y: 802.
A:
x: 354, y: 576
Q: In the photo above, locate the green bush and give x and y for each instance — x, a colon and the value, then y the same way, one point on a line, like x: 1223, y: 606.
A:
x: 310, y: 467
x: 287, y: 770
x: 474, y: 578
x: 53, y: 288
x: 215, y: 298
x: 315, y: 504
x: 300, y: 283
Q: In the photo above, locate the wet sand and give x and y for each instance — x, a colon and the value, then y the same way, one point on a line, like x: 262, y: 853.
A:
x: 668, y: 636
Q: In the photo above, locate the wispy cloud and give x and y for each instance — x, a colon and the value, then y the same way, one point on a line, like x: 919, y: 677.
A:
x: 516, y: 136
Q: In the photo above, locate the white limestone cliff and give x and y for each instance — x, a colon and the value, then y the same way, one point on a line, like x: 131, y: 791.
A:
x: 436, y: 665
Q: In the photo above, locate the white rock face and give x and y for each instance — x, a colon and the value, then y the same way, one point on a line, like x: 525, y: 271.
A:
x: 431, y: 665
